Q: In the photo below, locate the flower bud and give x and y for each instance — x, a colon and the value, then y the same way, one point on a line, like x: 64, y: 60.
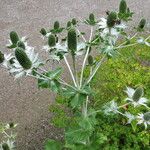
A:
x: 1, y: 57
x: 68, y: 24
x: 111, y: 19
x: 142, y: 23
x: 138, y: 93
x: 72, y: 40
x: 21, y: 44
x: 11, y: 125
x: 92, y: 17
x: 43, y: 31
x: 14, y: 37
x: 123, y: 7
x: 56, y: 25
x: 74, y: 21
x: 5, y: 146
x: 147, y: 116
x: 22, y: 58
x: 90, y: 60
x: 51, y: 40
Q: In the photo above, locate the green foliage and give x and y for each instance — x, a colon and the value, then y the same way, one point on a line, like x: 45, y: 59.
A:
x: 112, y: 133
x: 117, y: 73
x: 51, y: 80
x: 53, y: 145
x: 22, y: 58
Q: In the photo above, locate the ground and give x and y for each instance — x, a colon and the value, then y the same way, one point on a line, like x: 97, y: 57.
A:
x: 21, y: 101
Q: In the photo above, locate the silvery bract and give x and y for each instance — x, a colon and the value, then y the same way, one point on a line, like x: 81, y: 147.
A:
x: 111, y: 107
x: 135, y: 97
x: 144, y: 118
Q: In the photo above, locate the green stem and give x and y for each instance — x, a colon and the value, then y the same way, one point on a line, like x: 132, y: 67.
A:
x: 69, y: 68
x: 95, y: 69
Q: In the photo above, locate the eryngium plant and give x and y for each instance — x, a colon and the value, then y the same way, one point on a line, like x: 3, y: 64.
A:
x: 8, y: 138
x: 108, y: 35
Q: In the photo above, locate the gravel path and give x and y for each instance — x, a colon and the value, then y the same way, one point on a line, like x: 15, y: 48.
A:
x: 21, y: 101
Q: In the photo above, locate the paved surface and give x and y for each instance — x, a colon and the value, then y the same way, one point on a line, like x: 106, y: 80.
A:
x: 21, y: 101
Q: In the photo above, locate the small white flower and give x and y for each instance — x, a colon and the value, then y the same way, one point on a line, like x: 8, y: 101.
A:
x: 141, y: 101
x: 129, y: 116
x: 111, y: 107
x: 18, y: 71
x: 144, y: 118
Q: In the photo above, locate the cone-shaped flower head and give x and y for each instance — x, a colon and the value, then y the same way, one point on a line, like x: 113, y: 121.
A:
x: 14, y: 37
x: 74, y: 21
x: 142, y: 23
x: 1, y: 57
x: 21, y: 44
x: 92, y: 17
x: 51, y: 40
x: 68, y: 24
x: 138, y: 94
x: 72, y: 40
x: 56, y: 25
x: 22, y: 58
x: 123, y: 7
x: 147, y: 116
x: 111, y: 19
x: 90, y: 60
x: 43, y: 31
x: 5, y: 146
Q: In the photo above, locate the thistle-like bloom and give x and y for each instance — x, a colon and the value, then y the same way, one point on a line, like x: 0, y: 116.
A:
x: 136, y: 97
x: 130, y: 117
x: 9, y: 144
x: 111, y: 107
x: 114, y: 31
x: 144, y: 118
x: 25, y: 63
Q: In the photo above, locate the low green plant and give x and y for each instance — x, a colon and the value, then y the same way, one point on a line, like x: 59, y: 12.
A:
x: 104, y: 36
